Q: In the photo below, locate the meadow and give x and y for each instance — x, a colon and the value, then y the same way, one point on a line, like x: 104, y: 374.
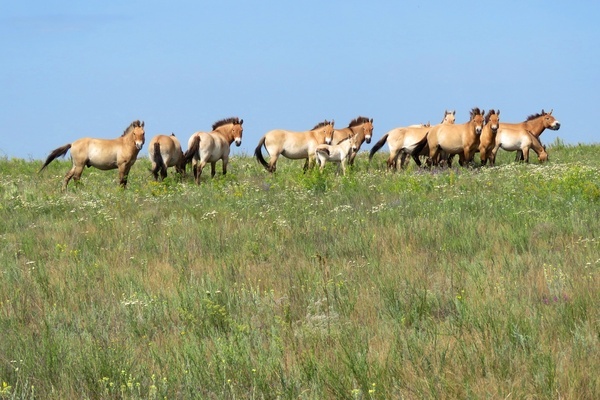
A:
x: 470, y: 283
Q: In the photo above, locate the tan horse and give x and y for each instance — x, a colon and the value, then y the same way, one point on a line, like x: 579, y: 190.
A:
x: 210, y: 147
x: 293, y: 145
x: 103, y: 154
x: 362, y: 130
x: 487, y: 140
x: 164, y: 152
x: 411, y: 140
x: 337, y: 153
x: 510, y: 139
x: 534, y: 124
x: 461, y: 139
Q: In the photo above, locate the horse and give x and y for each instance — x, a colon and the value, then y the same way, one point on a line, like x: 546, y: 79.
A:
x: 104, y: 154
x: 487, y: 140
x: 535, y: 124
x: 210, y: 147
x: 362, y: 130
x: 164, y: 152
x: 410, y: 140
x: 293, y: 145
x: 337, y: 153
x: 511, y: 139
x: 461, y: 139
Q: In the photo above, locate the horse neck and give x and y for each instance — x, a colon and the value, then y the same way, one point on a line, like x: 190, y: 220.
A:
x: 226, y: 132
x: 359, y: 133
x: 535, y: 126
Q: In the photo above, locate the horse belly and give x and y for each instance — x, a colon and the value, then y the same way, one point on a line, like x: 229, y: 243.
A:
x: 101, y: 158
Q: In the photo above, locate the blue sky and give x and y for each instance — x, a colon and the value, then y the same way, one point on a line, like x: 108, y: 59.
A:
x: 71, y: 69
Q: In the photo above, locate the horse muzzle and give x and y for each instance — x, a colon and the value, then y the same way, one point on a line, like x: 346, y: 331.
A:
x: 138, y: 145
x: 368, y: 139
x: 238, y: 142
x: 555, y: 126
x: 327, y: 140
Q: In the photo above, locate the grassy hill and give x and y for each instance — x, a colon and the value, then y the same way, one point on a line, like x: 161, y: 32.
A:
x: 455, y: 283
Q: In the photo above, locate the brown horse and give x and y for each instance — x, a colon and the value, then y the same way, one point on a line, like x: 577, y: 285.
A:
x: 210, y: 147
x: 487, y: 140
x: 517, y: 139
x: 407, y: 141
x: 461, y: 139
x: 164, y: 152
x: 362, y: 130
x: 103, y: 154
x: 293, y: 145
x: 534, y: 124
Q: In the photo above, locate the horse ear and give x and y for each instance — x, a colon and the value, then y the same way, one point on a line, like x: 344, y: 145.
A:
x: 550, y: 113
x: 371, y: 120
x: 241, y: 121
x: 454, y: 112
x: 142, y: 124
x: 498, y: 112
x: 332, y: 122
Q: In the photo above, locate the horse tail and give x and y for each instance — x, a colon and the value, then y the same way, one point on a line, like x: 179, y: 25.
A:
x: 420, y: 145
x: 377, y: 146
x: 158, y: 159
x: 194, y: 147
x: 258, y: 153
x: 61, y: 151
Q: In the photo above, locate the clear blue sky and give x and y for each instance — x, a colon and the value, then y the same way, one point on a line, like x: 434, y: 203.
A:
x: 71, y: 69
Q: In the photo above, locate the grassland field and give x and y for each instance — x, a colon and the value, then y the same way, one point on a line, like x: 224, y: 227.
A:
x: 460, y: 283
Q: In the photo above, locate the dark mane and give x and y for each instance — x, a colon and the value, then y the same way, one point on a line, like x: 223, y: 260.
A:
x: 534, y: 116
x: 232, y: 120
x: 357, y: 121
x: 475, y: 111
x: 134, y: 124
x: 321, y: 124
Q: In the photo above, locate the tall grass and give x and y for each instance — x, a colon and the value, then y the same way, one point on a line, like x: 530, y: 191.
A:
x: 459, y: 283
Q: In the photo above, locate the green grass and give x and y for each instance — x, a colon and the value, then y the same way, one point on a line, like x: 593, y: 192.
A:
x: 460, y: 283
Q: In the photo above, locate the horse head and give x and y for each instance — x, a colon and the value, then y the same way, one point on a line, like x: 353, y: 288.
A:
x: 139, y: 135
x: 477, y: 119
x: 493, y: 120
x: 237, y: 131
x: 449, y: 117
x: 550, y: 122
x: 326, y: 130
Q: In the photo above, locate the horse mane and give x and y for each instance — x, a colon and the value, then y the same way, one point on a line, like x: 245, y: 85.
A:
x: 134, y: 124
x: 357, y: 121
x: 475, y: 111
x: 534, y: 116
x: 225, y: 121
x: 321, y: 124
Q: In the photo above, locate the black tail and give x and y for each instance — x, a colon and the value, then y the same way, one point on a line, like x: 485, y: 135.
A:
x: 420, y: 146
x: 377, y: 146
x: 194, y: 147
x: 159, y: 163
x: 61, y: 151
x: 258, y: 153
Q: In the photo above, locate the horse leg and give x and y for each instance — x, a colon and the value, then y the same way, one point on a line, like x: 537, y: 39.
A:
x: 198, y: 172
x: 213, y: 169
x: 225, y: 162
x: 163, y: 172
x: 306, y: 165
x: 123, y: 174
x: 525, y: 154
x: 75, y: 173
x: 519, y: 156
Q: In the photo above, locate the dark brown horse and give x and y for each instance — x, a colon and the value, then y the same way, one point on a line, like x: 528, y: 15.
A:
x: 103, y: 154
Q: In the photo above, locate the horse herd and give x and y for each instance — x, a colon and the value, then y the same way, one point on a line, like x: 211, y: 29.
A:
x: 438, y: 144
